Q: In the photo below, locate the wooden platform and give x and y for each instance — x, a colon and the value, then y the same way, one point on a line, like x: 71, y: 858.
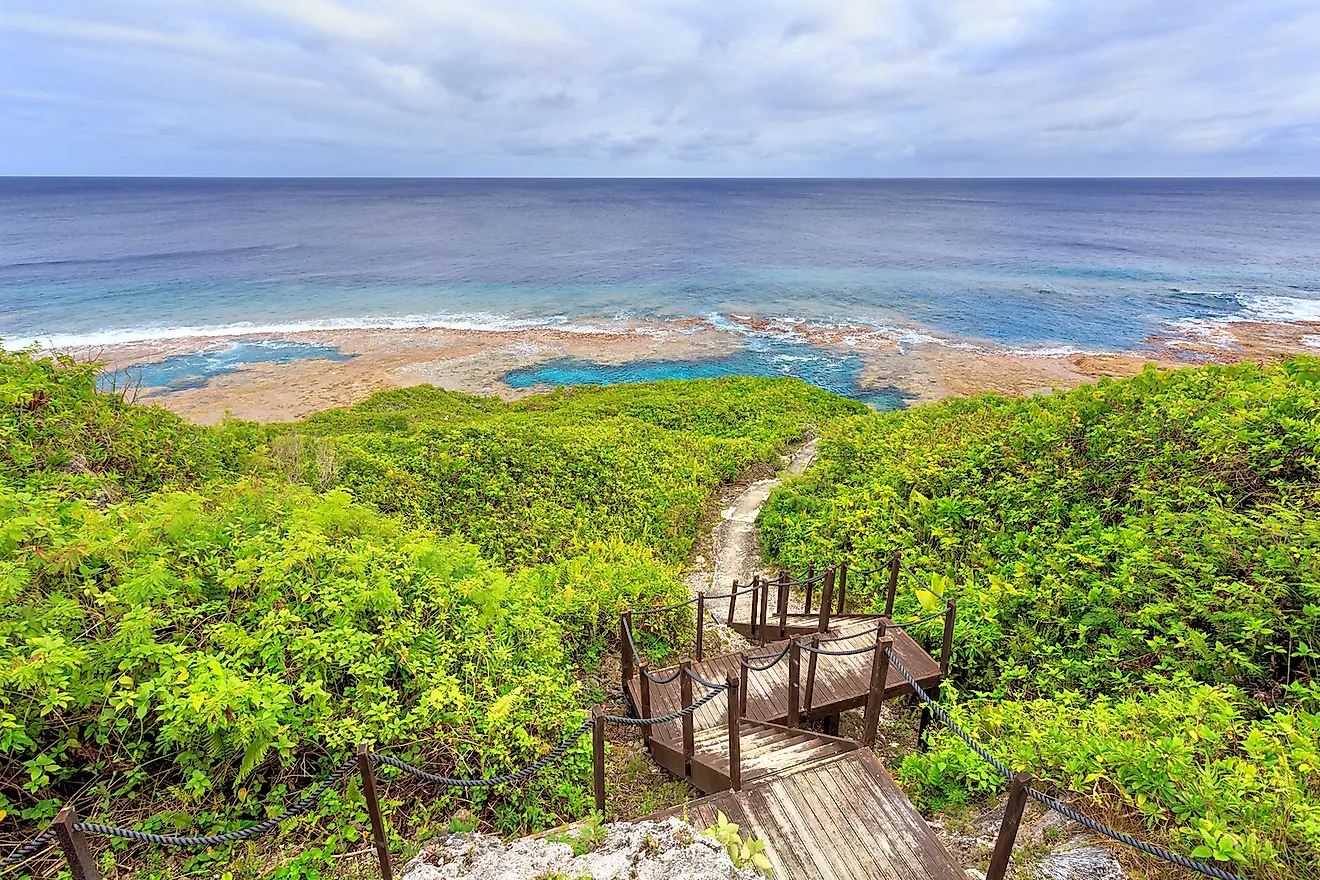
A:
x: 841, y: 683
x: 842, y: 818
x: 824, y: 805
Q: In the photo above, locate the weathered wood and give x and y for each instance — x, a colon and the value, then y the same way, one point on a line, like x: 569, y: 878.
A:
x: 826, y: 602
x: 367, y: 770
x: 946, y: 651
x: 879, y: 671
x: 1008, y: 828
x: 811, y: 675
x: 782, y: 595
x: 811, y: 576
x: 744, y: 674
x: 733, y: 603
x: 765, y: 609
x: 701, y: 621
x: 756, y: 598
x: 794, y: 672
x: 74, y: 846
x: 894, y: 564
x: 735, y: 732
x: 598, y: 758
x: 842, y: 683
x: 842, y: 583
x: 685, y: 692
x: 644, y: 687
x: 625, y: 647
x: 839, y: 819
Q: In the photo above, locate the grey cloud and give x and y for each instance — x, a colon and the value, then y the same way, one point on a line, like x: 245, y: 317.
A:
x: 680, y: 87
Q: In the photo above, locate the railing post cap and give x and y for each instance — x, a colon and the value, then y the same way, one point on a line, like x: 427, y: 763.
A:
x: 67, y: 815
x: 363, y: 748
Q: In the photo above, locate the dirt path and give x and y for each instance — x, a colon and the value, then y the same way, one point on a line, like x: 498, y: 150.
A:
x: 734, y: 550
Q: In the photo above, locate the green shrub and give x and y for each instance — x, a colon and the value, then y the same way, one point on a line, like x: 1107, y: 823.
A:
x: 1105, y: 542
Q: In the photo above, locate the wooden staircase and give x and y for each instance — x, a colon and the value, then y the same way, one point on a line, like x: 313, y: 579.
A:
x: 824, y: 804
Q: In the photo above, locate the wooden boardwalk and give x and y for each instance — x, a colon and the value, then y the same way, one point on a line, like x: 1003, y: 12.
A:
x: 841, y: 818
x: 824, y: 805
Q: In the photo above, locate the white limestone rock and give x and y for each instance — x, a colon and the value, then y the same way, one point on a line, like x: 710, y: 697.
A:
x: 669, y: 850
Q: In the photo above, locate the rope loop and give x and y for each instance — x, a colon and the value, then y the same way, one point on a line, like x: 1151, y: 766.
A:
x: 782, y: 654
x: 535, y: 767
x: 672, y: 716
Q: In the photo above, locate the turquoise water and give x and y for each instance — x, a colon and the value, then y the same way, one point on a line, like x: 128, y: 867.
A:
x: 194, y: 370
x: 833, y: 372
x: 1039, y: 266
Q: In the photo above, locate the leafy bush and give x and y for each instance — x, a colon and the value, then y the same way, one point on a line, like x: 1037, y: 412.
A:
x: 550, y: 476
x: 1101, y: 541
x: 196, y: 622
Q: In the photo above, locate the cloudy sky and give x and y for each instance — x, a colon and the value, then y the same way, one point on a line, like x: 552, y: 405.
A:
x: 660, y: 87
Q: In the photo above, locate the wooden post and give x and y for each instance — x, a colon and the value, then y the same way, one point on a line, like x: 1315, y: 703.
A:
x: 368, y: 772
x: 625, y: 650
x: 74, y: 845
x: 946, y: 652
x: 826, y: 602
x: 689, y: 734
x: 598, y: 757
x: 842, y: 582
x: 783, y: 604
x: 1008, y: 829
x: 876, y: 695
x: 811, y: 574
x: 755, y: 604
x: 733, y: 603
x: 765, y: 609
x: 735, y: 731
x: 644, y: 685
x: 701, y: 621
x: 894, y: 565
x: 794, y: 674
x: 742, y: 692
x: 811, y: 677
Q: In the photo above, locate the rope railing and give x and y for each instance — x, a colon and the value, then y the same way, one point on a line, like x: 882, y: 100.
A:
x: 1047, y: 801
x: 38, y: 843
x: 716, y: 690
x: 865, y: 649
x: 778, y: 657
x: 663, y: 608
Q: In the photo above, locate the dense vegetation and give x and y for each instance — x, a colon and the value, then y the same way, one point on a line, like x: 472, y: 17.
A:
x: 196, y: 622
x: 1138, y: 591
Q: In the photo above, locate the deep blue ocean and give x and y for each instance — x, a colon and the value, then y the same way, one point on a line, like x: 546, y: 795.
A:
x: 1040, y: 265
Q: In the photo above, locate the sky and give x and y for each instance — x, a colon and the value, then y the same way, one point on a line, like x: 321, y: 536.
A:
x: 886, y: 88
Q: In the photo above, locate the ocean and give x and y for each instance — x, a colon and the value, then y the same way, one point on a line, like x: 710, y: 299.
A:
x: 1038, y: 266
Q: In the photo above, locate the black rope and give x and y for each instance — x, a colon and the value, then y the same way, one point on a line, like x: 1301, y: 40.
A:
x: 28, y: 849
x: 865, y: 649
x: 699, y: 680
x: 943, y: 716
x: 672, y: 716
x: 749, y: 588
x: 771, y: 664
x: 924, y: 584
x: 229, y: 836
x: 655, y: 680
x: 663, y: 608
x: 845, y: 637
x: 1158, y: 852
x: 535, y: 767
x: 1058, y: 807
x: 627, y: 630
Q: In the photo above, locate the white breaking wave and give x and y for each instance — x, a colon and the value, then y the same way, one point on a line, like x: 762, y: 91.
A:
x: 1278, y: 308
x: 475, y: 322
